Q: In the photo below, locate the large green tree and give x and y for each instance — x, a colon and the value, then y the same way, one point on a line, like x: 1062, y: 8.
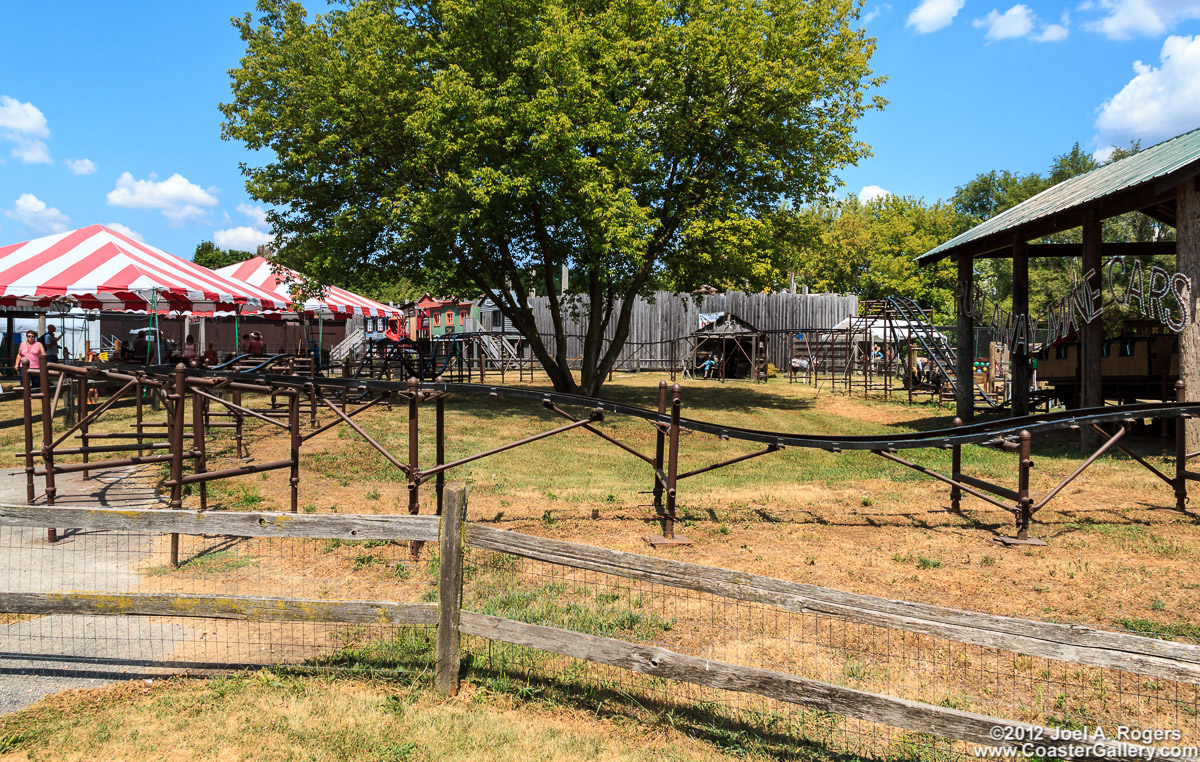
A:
x: 484, y: 144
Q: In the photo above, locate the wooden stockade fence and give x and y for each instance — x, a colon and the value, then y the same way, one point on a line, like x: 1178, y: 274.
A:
x: 1151, y: 658
x: 667, y: 317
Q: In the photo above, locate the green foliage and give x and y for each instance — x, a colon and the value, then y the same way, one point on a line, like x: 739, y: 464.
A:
x: 211, y: 256
x: 869, y: 248
x: 481, y: 146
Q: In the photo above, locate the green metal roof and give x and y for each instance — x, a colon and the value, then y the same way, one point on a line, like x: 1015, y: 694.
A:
x: 1154, y: 163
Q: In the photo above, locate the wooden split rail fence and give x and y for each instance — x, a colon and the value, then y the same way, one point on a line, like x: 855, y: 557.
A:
x: 1141, y: 656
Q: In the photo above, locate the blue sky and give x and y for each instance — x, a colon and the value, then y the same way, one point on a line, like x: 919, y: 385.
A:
x: 108, y: 111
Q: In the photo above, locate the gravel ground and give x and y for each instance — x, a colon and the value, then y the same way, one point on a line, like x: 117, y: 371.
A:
x: 77, y: 651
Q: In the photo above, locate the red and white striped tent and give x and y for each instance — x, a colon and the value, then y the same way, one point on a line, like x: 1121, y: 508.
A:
x: 102, y: 269
x: 337, y: 302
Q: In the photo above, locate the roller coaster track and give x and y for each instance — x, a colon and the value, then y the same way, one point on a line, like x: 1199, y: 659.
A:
x: 935, y: 345
x: 991, y: 433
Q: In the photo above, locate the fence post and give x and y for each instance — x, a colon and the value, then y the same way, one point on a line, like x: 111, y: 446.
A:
x: 956, y: 472
x: 27, y: 398
x: 1181, y: 496
x: 450, y: 585
x: 176, y: 435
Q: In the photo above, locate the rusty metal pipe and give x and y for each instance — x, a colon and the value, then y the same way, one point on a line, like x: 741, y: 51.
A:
x: 660, y: 443
x: 47, y: 439
x: 551, y: 406
x: 673, y: 461
x: 294, y: 432
x: 1082, y: 467
x: 345, y: 418
x: 338, y: 422
x: 102, y: 448
x: 942, y: 477
x: 729, y: 462
x: 1150, y: 467
x: 27, y: 400
x: 95, y: 465
x: 238, y: 408
x: 424, y: 476
x: 249, y: 468
x: 91, y: 417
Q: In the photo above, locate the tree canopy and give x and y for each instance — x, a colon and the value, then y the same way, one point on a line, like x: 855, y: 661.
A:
x: 483, y: 145
x: 209, y: 255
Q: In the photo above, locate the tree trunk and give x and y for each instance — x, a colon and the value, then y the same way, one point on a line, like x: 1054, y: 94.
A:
x: 1187, y: 261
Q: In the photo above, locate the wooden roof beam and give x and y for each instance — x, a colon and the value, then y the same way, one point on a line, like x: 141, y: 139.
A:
x: 1056, y: 250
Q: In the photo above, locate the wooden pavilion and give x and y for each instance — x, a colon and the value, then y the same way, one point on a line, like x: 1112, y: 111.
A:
x: 1162, y: 182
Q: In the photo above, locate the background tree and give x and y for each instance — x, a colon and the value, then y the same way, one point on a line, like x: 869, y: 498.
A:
x: 483, y: 145
x: 870, y: 248
x: 993, y: 192
x: 211, y: 256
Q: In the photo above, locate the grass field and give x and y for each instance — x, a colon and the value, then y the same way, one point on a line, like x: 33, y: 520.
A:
x: 851, y: 520
x: 273, y: 716
x: 1115, y: 559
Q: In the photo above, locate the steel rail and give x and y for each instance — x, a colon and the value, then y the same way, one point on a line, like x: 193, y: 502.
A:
x: 978, y: 433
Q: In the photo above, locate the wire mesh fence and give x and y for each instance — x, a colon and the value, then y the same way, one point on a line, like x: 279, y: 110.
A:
x: 864, y: 657
x: 871, y: 658
x: 116, y: 563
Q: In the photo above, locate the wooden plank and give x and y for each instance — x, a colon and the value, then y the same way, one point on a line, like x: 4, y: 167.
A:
x: 1071, y: 643
x: 227, y: 523
x: 450, y: 584
x: 220, y: 607
x: 825, y: 697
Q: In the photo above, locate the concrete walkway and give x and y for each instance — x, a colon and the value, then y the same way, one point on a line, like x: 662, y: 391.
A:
x: 53, y: 653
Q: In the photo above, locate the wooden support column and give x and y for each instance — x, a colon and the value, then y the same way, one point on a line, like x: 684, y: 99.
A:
x: 1187, y: 261
x: 964, y: 339
x: 1019, y: 358
x: 1093, y: 331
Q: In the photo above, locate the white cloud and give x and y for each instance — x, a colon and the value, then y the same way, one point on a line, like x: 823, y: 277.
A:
x: 241, y: 238
x: 1159, y: 102
x: 932, y: 15
x: 126, y: 231
x: 177, y: 198
x: 875, y: 12
x: 81, y: 166
x: 37, y: 218
x: 257, y: 215
x: 24, y: 118
x: 1054, y: 32
x: 29, y: 151
x: 1150, y: 18
x: 1020, y: 21
x: 23, y: 125
x: 872, y: 192
x: 1017, y: 21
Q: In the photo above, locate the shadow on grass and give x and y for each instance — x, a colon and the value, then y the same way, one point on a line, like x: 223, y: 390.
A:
x: 787, y: 733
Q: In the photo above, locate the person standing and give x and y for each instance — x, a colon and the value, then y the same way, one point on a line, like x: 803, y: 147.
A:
x: 33, y: 351
x: 50, y: 343
x: 189, y: 351
x: 210, y: 356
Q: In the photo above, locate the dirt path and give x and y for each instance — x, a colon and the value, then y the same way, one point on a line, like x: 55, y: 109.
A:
x: 48, y: 654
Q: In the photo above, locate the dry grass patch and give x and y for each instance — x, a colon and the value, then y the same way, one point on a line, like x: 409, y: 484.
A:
x: 270, y: 716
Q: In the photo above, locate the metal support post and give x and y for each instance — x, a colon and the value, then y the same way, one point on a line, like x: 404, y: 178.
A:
x: 176, y: 433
